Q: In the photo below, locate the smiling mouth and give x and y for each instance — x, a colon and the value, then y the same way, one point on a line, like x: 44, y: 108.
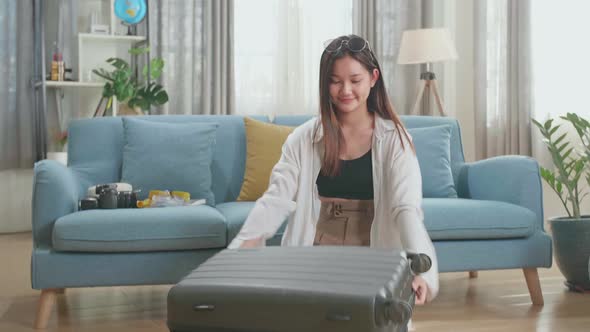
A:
x: 346, y: 100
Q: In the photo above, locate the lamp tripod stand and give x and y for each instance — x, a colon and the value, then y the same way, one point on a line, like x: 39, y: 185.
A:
x: 428, y: 84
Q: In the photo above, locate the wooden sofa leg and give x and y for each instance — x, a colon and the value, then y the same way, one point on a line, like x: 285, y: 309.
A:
x: 45, y: 307
x: 532, y: 281
x: 472, y: 274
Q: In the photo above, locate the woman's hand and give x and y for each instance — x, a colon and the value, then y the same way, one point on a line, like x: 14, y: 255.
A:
x: 252, y: 243
x: 421, y: 288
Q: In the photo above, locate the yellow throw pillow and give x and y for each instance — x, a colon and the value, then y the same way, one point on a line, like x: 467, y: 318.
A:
x: 264, y: 142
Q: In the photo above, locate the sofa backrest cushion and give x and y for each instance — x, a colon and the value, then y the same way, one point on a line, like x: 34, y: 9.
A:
x: 457, y: 157
x: 433, y: 150
x: 95, y: 150
x: 95, y: 147
x: 166, y: 156
x: 456, y: 149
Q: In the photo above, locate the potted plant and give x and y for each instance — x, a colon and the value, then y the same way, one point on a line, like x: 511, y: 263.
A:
x: 135, y: 96
x: 570, y: 179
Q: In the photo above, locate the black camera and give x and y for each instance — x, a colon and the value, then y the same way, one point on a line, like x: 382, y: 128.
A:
x: 107, y: 197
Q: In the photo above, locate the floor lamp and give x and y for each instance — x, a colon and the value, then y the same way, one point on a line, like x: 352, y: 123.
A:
x: 426, y: 46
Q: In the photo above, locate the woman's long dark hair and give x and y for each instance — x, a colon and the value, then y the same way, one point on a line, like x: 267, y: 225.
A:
x: 377, y: 102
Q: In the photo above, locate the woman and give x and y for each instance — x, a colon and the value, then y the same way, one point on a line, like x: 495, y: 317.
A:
x: 350, y: 177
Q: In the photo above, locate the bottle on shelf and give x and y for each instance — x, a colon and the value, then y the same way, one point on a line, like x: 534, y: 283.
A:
x: 61, y: 68
x: 55, y: 64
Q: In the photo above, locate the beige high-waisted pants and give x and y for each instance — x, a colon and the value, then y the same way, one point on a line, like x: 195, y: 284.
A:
x: 345, y: 223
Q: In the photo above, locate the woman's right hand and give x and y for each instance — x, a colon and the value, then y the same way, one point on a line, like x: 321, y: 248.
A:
x: 420, y: 286
x: 252, y: 243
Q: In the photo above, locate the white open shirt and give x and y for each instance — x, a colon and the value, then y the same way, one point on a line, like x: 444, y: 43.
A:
x: 292, y: 193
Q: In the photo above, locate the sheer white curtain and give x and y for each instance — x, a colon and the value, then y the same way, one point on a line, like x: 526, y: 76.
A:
x: 278, y: 45
x: 382, y: 23
x: 18, y: 144
x: 503, y: 78
x: 194, y: 39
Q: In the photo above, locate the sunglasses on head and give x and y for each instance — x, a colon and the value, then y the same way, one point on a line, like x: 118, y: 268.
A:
x: 354, y: 44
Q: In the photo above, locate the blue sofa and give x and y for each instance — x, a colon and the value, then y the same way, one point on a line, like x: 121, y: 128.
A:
x: 496, y: 222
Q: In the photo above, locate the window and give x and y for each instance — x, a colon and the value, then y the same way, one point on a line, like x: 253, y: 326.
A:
x: 278, y: 45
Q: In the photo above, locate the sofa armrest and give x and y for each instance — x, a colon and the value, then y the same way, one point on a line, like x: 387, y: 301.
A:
x: 510, y: 179
x: 55, y: 194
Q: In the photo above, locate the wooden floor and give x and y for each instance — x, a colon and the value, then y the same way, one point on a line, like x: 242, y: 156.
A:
x: 495, y: 301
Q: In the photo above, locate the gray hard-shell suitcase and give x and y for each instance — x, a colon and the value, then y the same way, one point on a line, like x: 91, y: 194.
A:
x: 297, y: 289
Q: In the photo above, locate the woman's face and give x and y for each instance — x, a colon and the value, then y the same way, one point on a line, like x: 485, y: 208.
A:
x: 350, y: 84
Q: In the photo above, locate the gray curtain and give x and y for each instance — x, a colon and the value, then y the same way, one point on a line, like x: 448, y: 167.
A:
x: 17, y: 141
x: 503, y: 77
x: 195, y: 40
x: 382, y: 23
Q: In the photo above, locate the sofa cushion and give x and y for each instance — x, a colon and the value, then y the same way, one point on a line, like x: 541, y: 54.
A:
x: 166, y: 156
x: 470, y: 219
x: 235, y: 214
x: 433, y: 149
x: 154, y: 229
x: 264, y: 143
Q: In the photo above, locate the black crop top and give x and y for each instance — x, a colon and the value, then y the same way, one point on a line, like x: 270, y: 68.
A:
x: 355, y: 180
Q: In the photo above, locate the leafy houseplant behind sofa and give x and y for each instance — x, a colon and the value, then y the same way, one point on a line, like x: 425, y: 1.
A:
x: 571, y: 181
x: 471, y: 209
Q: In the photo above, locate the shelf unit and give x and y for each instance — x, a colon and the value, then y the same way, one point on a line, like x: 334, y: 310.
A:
x: 79, y: 98
x: 73, y: 84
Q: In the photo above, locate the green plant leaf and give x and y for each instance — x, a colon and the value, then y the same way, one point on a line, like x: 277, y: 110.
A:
x: 156, y: 68
x: 552, y: 131
x: 547, y: 125
x: 139, y: 50
x: 560, y: 138
x: 118, y: 63
x: 567, y: 154
x: 103, y: 73
x: 568, y: 167
x: 563, y: 146
x: 537, y: 123
x: 124, y: 84
x: 108, y: 90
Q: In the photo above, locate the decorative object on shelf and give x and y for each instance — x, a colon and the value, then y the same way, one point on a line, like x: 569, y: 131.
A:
x: 571, y: 161
x: 122, y: 83
x: 427, y: 46
x: 62, y: 140
x: 57, y: 65
x: 131, y: 12
x: 96, y: 26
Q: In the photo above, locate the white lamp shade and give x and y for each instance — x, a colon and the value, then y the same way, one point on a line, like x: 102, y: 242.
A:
x: 426, y: 46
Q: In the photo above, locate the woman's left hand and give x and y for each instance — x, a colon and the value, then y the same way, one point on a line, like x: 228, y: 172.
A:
x: 421, y: 288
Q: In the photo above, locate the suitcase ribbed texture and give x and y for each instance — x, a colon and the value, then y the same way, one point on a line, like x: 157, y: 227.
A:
x: 288, y: 289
